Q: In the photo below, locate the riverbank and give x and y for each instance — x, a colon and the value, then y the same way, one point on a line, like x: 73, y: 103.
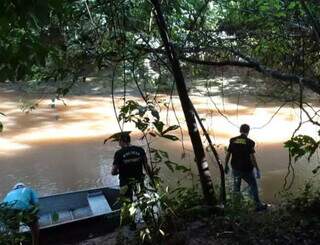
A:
x: 279, y: 225
x: 295, y: 221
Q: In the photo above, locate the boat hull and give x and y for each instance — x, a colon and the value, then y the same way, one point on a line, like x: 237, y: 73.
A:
x: 80, y: 230
x: 76, y: 228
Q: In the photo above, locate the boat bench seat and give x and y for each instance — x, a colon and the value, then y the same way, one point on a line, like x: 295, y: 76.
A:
x: 45, y: 220
x: 64, y: 215
x: 98, y: 203
x: 81, y: 212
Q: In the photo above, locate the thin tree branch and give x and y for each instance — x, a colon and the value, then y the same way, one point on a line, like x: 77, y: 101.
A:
x: 314, y: 85
x: 314, y: 22
x: 112, y: 96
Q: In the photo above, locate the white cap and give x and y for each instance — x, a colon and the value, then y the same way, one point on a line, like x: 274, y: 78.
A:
x: 18, y: 185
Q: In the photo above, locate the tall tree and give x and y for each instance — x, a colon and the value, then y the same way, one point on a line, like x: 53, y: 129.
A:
x: 187, y: 107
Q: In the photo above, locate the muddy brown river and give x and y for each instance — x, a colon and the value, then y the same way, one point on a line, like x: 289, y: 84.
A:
x: 60, y: 148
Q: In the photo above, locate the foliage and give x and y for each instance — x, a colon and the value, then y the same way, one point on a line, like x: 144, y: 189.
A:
x: 147, y: 207
x: 116, y: 137
x: 306, y: 203
x: 146, y: 119
x: 24, y: 32
x: 10, y: 222
x: 56, y: 39
x: 159, y: 156
x: 294, y: 221
x: 272, y: 31
x: 302, y: 145
x: 159, y: 209
x: 157, y: 205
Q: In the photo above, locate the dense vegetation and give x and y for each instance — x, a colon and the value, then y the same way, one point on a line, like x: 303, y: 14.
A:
x: 54, y: 41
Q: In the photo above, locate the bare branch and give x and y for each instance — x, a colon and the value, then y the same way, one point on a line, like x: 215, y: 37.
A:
x: 310, y: 117
x: 314, y: 85
x: 112, y: 95
x: 218, y: 63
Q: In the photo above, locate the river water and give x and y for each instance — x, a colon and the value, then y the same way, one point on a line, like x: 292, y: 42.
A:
x: 58, y: 148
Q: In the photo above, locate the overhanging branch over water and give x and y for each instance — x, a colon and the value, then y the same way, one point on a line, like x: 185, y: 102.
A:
x: 247, y: 62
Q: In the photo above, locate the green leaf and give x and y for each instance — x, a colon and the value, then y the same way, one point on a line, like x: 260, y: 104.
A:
x: 55, y: 217
x: 159, y: 126
x: 155, y: 113
x: 171, y: 128
x: 292, y: 5
x: 314, y: 171
x: 141, y: 125
x: 116, y: 136
x: 164, y: 154
x: 302, y: 145
x: 169, y: 164
x: 157, y: 158
x: 141, y: 110
x: 182, y: 168
x: 152, y: 134
x: 170, y: 137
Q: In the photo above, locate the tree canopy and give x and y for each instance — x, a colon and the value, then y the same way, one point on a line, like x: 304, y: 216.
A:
x: 56, y: 39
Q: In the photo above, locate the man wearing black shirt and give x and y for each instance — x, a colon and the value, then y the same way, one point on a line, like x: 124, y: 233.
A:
x: 129, y: 162
x: 243, y: 161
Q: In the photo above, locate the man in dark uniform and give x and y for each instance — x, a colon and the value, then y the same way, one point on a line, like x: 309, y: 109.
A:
x: 243, y: 162
x: 129, y: 162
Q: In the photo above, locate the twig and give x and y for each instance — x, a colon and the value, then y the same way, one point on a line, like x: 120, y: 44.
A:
x: 272, y: 117
x: 137, y: 84
x: 290, y: 165
x: 219, y: 111
x: 112, y: 96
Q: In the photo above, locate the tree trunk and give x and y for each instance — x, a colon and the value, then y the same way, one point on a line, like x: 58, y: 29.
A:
x: 187, y: 107
x: 223, y: 197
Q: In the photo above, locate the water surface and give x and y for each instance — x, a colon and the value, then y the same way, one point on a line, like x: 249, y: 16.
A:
x: 60, y: 148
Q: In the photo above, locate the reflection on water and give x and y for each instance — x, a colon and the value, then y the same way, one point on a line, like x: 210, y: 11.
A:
x: 61, y: 148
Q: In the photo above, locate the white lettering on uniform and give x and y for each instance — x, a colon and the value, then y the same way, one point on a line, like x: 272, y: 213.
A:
x: 137, y: 159
x: 131, y: 153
